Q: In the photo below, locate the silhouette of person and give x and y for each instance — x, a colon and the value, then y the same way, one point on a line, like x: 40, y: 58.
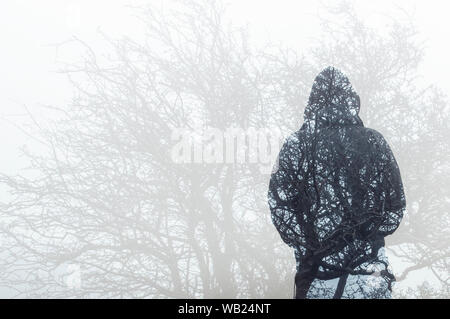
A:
x: 335, y: 194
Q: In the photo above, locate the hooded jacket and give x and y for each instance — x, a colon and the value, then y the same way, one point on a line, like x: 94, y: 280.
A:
x: 336, y: 192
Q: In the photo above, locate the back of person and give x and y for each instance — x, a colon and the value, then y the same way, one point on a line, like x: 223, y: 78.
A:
x: 335, y: 194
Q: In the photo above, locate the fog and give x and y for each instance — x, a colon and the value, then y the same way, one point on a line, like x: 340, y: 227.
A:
x: 64, y: 54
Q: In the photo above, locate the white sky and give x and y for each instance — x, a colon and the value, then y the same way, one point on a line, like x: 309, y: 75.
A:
x: 28, y: 29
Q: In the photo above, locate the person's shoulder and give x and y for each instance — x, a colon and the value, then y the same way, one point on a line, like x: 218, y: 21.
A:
x: 293, y: 142
x: 374, y: 135
x: 372, y: 131
x: 295, y: 137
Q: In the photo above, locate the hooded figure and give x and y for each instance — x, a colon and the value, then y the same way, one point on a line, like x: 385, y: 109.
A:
x: 335, y: 194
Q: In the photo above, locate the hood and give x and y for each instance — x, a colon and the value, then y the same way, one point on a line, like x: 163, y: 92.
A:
x: 332, y: 102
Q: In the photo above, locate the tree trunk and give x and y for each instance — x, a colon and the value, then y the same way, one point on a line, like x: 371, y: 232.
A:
x: 340, y: 287
x: 303, y: 280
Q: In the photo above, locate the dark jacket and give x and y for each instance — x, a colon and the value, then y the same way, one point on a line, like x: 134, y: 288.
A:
x: 336, y: 190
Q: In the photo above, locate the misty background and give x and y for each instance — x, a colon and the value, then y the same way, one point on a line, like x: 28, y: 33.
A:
x: 42, y: 40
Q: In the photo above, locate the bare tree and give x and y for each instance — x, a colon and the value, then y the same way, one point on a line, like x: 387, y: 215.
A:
x: 109, y: 198
x: 107, y: 202
x: 414, y: 119
x: 336, y: 192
